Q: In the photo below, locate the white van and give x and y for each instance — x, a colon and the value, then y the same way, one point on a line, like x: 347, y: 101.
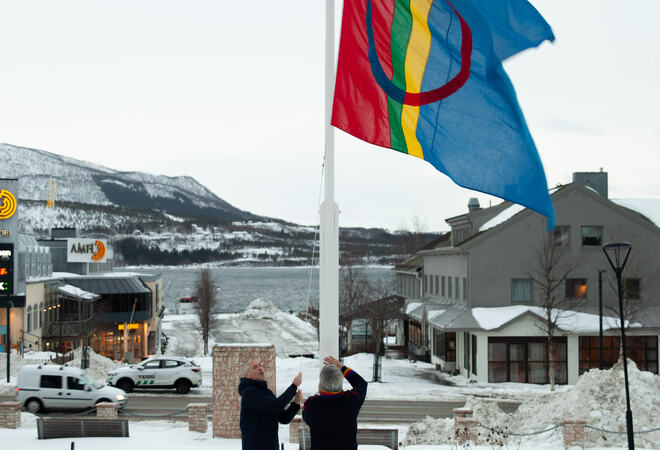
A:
x: 49, y: 386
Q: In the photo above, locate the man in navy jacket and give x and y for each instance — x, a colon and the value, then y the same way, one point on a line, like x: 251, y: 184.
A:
x: 332, y: 414
x: 261, y: 410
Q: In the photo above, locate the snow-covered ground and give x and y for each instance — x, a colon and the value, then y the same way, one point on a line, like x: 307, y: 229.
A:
x: 598, y: 397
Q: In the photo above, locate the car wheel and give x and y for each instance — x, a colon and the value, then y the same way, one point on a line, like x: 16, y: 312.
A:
x: 182, y: 386
x: 125, y: 385
x: 33, y: 405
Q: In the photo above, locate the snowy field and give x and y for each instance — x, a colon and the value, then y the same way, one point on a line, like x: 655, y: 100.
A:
x: 598, y: 397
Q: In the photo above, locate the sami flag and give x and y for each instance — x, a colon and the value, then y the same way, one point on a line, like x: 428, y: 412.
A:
x: 425, y: 77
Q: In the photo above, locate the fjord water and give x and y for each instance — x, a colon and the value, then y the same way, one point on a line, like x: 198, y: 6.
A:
x: 286, y: 287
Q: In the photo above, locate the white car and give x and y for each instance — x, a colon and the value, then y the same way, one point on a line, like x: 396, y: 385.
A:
x: 159, y: 372
x: 48, y: 386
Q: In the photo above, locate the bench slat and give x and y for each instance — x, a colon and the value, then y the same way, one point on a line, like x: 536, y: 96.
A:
x: 65, y: 428
x: 366, y: 436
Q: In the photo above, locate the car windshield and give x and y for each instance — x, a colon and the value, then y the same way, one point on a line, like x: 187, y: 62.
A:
x: 86, y: 379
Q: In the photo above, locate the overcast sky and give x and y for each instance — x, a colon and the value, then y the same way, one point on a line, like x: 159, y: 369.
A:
x: 231, y: 93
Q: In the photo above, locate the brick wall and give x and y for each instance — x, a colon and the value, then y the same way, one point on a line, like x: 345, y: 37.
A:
x: 10, y: 415
x: 573, y: 432
x: 106, y: 410
x: 227, y: 361
x: 197, y: 417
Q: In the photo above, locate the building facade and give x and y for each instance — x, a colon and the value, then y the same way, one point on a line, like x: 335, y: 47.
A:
x: 477, y: 300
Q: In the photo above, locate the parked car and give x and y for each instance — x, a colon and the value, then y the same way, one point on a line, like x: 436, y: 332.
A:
x: 49, y: 386
x: 159, y: 372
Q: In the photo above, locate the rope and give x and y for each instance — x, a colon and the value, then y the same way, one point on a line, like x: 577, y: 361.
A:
x: 621, y: 432
x: 495, y: 430
x: 311, y: 266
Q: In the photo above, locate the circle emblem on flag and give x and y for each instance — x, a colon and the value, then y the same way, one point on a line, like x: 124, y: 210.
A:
x: 420, y: 98
x: 8, y: 205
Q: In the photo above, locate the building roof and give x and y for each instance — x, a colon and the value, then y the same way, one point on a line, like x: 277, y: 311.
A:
x: 107, y: 285
x: 75, y: 292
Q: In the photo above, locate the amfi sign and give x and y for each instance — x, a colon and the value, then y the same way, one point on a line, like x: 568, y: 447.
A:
x: 86, y: 250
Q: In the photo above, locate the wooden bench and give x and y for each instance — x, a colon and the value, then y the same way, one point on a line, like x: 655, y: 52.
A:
x: 67, y: 428
x: 387, y: 437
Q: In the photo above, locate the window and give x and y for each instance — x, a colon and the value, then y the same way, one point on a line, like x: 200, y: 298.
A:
x: 170, y: 364
x: 592, y: 236
x: 576, y: 288
x: 466, y: 356
x: 152, y: 365
x: 561, y: 235
x: 456, y: 285
x: 51, y: 381
x: 437, y: 288
x: 431, y: 284
x: 442, y: 293
x: 41, y: 315
x: 28, y: 326
x: 631, y: 288
x: 641, y: 349
x: 444, y: 345
x: 426, y: 283
x: 449, y: 285
x: 465, y: 289
x: 523, y: 360
x: 474, y: 354
x: 75, y: 384
x: 521, y: 290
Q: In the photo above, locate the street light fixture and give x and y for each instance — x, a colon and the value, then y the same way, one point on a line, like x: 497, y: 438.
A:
x: 620, y: 252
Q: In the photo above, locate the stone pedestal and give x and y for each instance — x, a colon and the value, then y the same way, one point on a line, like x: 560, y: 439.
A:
x: 106, y: 410
x: 573, y: 430
x: 197, y: 417
x: 10, y: 415
x: 465, y: 426
x: 227, y: 362
x: 294, y: 429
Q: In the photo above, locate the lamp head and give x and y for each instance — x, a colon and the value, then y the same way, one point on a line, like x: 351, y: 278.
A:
x: 617, y: 253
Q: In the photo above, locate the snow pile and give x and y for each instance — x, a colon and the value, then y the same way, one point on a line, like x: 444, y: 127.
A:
x: 430, y: 431
x: 99, y: 365
x: 598, y: 397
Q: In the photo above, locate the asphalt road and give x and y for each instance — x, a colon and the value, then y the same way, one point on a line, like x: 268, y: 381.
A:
x: 389, y: 411
x: 386, y: 411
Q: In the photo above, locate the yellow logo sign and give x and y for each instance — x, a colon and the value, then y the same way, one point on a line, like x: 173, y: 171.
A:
x: 7, y: 204
x: 100, y: 251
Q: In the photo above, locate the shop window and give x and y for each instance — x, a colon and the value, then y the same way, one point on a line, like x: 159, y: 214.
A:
x: 576, y: 288
x: 592, y: 236
x: 561, y: 235
x: 521, y: 290
x: 641, y: 349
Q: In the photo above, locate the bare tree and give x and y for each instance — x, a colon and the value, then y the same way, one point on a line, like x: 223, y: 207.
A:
x: 207, y: 302
x: 419, y: 230
x: 404, y: 237
x: 353, y: 292
x: 548, y: 270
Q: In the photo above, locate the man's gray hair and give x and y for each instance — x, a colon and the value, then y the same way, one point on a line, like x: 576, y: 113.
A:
x: 245, y: 367
x: 331, y: 379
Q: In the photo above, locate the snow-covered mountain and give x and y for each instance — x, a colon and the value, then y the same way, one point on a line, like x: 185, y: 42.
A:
x: 155, y: 219
x: 89, y: 183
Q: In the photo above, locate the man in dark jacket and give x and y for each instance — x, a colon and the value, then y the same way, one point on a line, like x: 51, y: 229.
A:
x: 332, y: 414
x: 261, y: 410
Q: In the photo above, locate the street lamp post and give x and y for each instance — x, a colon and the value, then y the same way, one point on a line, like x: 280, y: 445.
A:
x: 620, y: 252
x: 600, y: 314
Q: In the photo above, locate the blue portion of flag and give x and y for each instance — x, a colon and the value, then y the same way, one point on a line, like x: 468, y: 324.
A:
x: 478, y: 135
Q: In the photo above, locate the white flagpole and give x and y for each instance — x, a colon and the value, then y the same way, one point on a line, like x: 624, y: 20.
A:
x: 329, y: 251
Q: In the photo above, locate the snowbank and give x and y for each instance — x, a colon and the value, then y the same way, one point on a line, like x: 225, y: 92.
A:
x: 598, y: 397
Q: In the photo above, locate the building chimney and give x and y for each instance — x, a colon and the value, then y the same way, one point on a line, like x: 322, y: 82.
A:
x: 593, y: 180
x: 473, y: 204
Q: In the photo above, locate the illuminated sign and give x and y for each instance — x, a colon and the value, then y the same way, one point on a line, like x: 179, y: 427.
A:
x: 7, y: 204
x: 6, y: 269
x: 87, y: 250
x: 130, y: 326
x: 5, y: 233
